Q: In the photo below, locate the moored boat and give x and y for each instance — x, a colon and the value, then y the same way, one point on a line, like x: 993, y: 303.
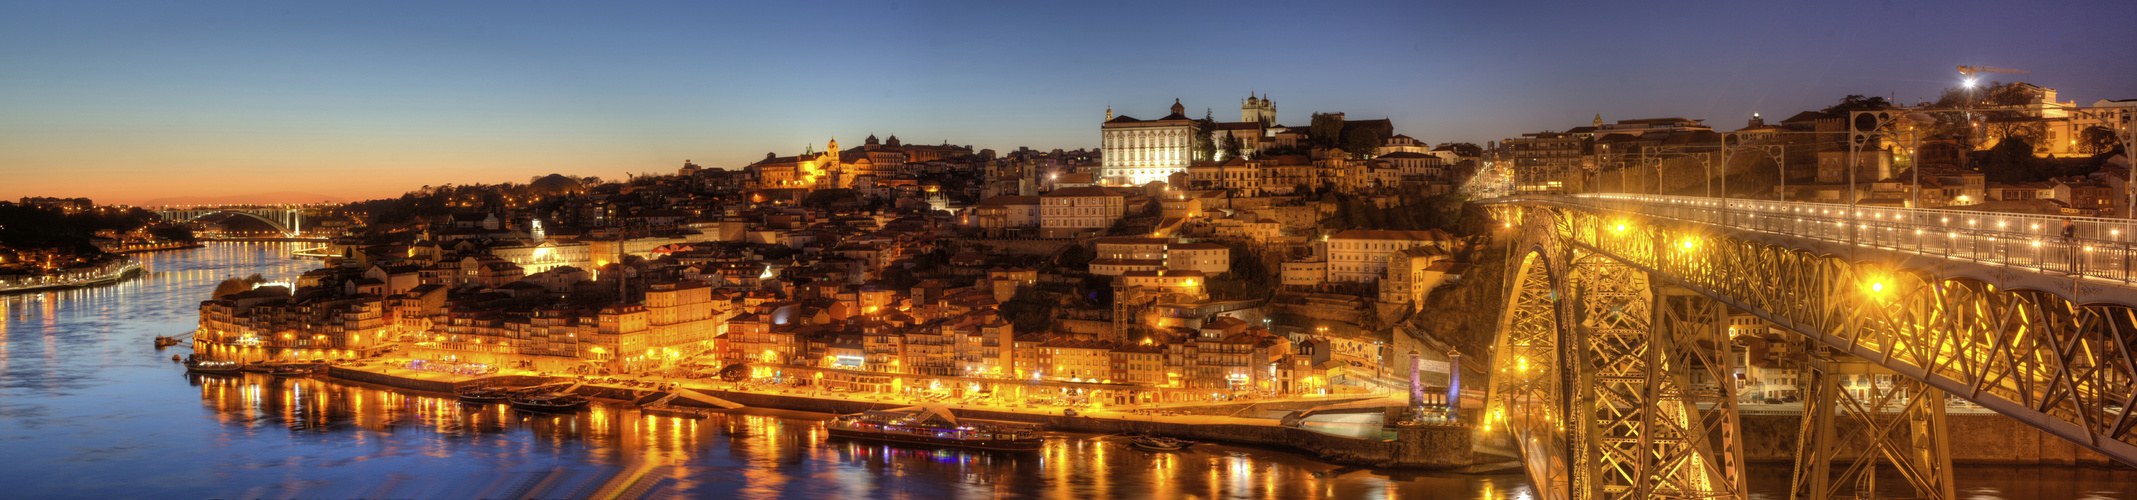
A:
x: 484, y: 395
x: 549, y: 403
x: 213, y: 367
x: 292, y: 370
x: 934, y: 426
x: 1159, y: 443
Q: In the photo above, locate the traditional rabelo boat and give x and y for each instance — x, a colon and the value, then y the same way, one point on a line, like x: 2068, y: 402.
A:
x: 214, y: 367
x: 557, y: 402
x: 934, y: 425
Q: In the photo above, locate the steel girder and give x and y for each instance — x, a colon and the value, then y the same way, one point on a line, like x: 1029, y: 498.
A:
x: 1637, y: 425
x: 2062, y: 367
x: 1922, y: 458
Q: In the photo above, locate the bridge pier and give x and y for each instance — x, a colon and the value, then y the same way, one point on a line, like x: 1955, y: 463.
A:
x: 1912, y: 441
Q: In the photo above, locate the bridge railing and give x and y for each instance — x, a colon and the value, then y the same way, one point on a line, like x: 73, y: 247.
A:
x: 2096, y: 248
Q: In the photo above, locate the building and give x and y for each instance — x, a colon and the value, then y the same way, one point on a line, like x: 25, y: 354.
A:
x: 1070, y: 212
x: 1361, y: 255
x: 1136, y: 152
x: 1208, y: 258
x: 1000, y: 215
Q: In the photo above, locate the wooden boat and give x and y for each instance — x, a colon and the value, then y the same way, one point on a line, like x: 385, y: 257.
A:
x: 162, y: 341
x: 1159, y: 443
x: 292, y: 370
x: 933, y: 425
x: 214, y: 367
x: 485, y: 395
x: 549, y: 403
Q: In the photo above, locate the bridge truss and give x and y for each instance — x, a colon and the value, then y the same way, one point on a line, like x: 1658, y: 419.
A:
x: 1614, y: 319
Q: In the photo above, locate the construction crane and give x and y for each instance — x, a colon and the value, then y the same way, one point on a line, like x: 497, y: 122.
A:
x: 1970, y: 71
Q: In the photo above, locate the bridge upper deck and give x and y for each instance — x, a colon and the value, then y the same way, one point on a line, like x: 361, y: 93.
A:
x: 2100, y: 250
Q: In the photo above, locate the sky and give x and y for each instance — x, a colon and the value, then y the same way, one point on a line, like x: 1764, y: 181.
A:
x: 124, y: 102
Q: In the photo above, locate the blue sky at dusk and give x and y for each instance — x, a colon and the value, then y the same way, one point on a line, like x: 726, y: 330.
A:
x: 129, y: 101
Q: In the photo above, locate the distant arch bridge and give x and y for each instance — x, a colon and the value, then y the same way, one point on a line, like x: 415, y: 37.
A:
x: 288, y: 221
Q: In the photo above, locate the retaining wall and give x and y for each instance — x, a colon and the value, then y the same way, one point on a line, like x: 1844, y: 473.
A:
x: 1974, y: 439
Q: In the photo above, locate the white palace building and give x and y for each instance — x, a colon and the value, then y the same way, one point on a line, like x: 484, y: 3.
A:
x: 1137, y: 152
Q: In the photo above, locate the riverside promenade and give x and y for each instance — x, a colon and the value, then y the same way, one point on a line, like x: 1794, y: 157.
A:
x: 112, y: 272
x: 1408, y: 446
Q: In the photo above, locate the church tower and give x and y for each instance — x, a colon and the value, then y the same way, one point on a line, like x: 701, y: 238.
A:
x: 832, y: 150
x: 1598, y: 120
x: 1258, y: 109
x: 1109, y: 113
x: 1177, y: 109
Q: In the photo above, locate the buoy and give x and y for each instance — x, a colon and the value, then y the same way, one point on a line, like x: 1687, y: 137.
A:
x: 174, y: 358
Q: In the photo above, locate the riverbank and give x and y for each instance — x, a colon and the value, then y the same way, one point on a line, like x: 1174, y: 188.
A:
x: 114, y: 274
x: 159, y: 248
x: 1413, y: 447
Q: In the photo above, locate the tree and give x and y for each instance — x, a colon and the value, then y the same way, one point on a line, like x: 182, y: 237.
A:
x: 1325, y: 130
x: 1856, y: 102
x: 2012, y: 161
x: 1028, y: 311
x: 1230, y: 147
x: 2097, y: 139
x: 1360, y: 143
x: 1205, y: 145
x: 1464, y: 149
x: 1075, y: 256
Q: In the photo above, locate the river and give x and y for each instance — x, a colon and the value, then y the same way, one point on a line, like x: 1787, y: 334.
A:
x: 89, y: 410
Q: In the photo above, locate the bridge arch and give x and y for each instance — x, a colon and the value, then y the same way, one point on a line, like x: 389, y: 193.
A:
x: 192, y: 215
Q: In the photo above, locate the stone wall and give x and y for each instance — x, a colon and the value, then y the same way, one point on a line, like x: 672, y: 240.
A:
x: 1974, y: 438
x: 389, y: 380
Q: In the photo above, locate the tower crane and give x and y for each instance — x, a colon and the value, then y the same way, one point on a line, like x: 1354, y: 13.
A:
x: 1970, y: 71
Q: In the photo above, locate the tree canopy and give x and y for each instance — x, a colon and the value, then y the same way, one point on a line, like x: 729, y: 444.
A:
x: 1326, y: 129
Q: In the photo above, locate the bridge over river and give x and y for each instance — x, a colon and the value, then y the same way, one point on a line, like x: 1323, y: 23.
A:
x: 1605, y: 366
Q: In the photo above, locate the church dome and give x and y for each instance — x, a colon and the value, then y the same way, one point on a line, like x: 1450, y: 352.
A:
x: 555, y: 184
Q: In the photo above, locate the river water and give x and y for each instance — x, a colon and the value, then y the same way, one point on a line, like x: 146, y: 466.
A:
x: 89, y: 410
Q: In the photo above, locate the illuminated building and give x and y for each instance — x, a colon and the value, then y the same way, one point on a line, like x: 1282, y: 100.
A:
x: 1137, y: 152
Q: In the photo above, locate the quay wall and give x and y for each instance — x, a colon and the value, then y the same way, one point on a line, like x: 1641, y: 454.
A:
x: 1974, y: 438
x: 1414, y: 447
x: 389, y: 380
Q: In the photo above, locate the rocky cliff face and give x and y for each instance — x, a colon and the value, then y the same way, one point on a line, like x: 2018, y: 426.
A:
x: 1466, y: 315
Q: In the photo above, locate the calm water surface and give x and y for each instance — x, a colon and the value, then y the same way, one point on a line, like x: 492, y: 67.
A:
x: 89, y: 410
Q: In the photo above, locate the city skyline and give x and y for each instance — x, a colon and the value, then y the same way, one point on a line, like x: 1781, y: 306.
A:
x: 130, y: 103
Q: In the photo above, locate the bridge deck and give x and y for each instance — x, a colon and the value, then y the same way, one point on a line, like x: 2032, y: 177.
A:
x: 2100, y: 250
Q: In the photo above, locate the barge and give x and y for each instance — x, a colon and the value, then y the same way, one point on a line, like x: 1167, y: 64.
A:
x: 934, y: 426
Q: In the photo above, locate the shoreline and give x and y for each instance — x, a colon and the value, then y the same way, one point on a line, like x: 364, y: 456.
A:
x: 129, y: 271
x: 1445, y: 448
x: 192, y: 245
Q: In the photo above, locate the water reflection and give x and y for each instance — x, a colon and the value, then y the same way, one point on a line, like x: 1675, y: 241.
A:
x: 765, y: 454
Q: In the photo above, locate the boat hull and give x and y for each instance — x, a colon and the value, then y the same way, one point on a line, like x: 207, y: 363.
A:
x: 1032, y: 444
x: 548, y: 408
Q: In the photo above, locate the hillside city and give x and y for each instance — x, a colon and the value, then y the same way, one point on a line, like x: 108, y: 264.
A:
x: 1184, y: 260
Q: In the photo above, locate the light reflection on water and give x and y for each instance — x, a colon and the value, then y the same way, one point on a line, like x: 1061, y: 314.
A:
x: 89, y: 410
